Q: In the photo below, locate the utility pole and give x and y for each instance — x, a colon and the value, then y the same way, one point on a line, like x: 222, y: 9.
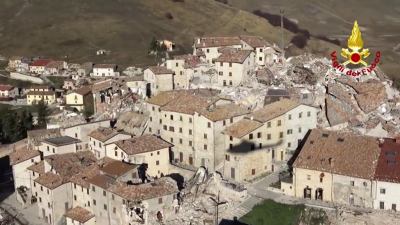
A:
x: 281, y: 11
x: 216, y: 204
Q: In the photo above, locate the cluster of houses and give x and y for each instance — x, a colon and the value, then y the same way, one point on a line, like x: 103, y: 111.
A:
x: 93, y: 173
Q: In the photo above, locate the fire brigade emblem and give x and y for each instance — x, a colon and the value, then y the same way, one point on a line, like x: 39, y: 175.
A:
x: 355, y: 53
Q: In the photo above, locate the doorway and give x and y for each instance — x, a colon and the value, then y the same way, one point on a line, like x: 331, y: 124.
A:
x: 307, y: 192
x: 319, y: 194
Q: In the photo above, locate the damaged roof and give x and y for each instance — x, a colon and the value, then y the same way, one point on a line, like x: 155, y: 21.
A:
x: 159, y: 188
x: 345, y: 154
x: 104, y: 134
x: 233, y: 56
x: 22, y: 154
x: 222, y: 112
x: 388, y: 168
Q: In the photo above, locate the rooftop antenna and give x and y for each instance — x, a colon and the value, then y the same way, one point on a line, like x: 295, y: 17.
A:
x: 281, y: 11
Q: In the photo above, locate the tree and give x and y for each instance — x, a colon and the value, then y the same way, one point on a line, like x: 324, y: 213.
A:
x: 43, y: 112
x: 9, y: 127
x: 154, y: 45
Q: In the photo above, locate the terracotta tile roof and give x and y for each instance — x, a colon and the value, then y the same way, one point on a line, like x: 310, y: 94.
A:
x: 61, y: 141
x: 83, y: 90
x: 388, y: 168
x: 159, y: 188
x: 222, y: 112
x: 103, y: 134
x: 142, y: 144
x: 207, y: 42
x: 339, y: 153
x: 40, y: 62
x: 87, y: 173
x: 79, y: 214
x: 234, y: 56
x: 41, y: 93
x: 188, y: 104
x: 65, y: 166
x: 50, y: 180
x: 22, y: 154
x: 6, y: 87
x: 191, y: 61
x: 105, y: 66
x: 37, y: 168
x: 117, y: 168
x: 166, y: 97
x: 242, y: 128
x: 102, y: 181
x: 274, y: 110
x: 254, y: 41
x: 160, y: 70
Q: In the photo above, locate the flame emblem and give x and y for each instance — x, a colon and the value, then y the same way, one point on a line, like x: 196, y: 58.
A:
x: 355, y: 52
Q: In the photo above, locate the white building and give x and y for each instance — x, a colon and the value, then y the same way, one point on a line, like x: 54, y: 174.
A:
x: 99, y: 138
x: 8, y: 91
x: 60, y: 145
x: 158, y: 78
x: 184, y: 67
x: 234, y: 66
x: 387, y: 178
x: 209, y: 46
x: 105, y: 70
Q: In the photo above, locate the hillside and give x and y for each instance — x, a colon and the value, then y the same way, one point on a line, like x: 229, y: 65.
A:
x: 379, y: 21
x: 75, y: 29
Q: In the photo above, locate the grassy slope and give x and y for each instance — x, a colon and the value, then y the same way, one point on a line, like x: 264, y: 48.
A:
x: 76, y: 28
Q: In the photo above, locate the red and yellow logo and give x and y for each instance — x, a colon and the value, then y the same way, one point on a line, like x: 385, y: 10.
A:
x: 355, y: 55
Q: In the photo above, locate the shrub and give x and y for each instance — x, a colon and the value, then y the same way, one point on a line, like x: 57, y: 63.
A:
x: 169, y: 16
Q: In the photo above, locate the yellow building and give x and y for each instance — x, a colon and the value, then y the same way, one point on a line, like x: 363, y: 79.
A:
x: 40, y: 93
x: 80, y: 99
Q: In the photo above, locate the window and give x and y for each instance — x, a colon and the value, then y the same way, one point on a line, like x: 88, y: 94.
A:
x: 299, y: 129
x: 259, y: 135
x: 300, y: 115
x: 230, y: 74
x: 48, y: 205
x: 221, y: 63
x: 104, y: 193
x: 209, y: 125
x: 165, y: 127
x: 172, y: 140
x: 321, y: 179
x: 394, y: 207
x: 365, y: 184
x: 157, y: 163
x: 289, y: 131
x: 171, y: 117
x: 48, y: 191
x: 160, y: 201
x: 93, y: 189
x: 105, y: 207
x: 280, y: 134
x: 250, y: 136
x: 230, y: 138
x: 151, y: 119
x: 290, y: 116
x: 352, y: 183
x: 253, y: 171
x: 190, y: 120
x: 190, y: 131
x: 180, y: 118
x: 190, y: 143
x: 230, y: 146
x: 308, y: 114
x: 208, y: 50
x: 268, y: 136
x: 308, y: 177
x: 381, y: 205
x: 160, y: 121
x: 180, y: 129
x: 230, y: 83
x: 172, y: 129
x: 279, y: 123
x: 40, y: 199
x: 75, y: 197
x: 114, y: 210
x: 383, y: 191
x: 230, y: 64
x: 223, y: 123
x: 88, y: 203
x: 231, y: 120
x: 227, y: 157
x: 41, y: 188
x: 259, y: 58
x: 176, y: 64
x: 153, y: 108
x: 269, y: 124
x: 180, y: 141
x: 116, y: 153
x: 94, y: 201
x: 205, y: 136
